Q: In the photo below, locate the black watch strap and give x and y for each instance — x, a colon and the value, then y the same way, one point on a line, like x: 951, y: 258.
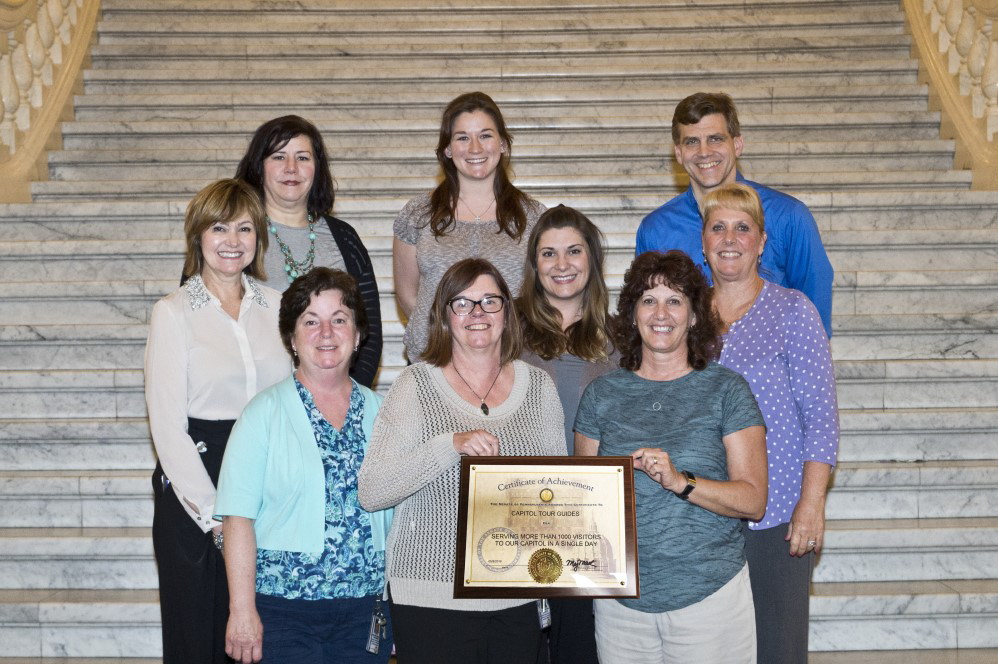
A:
x: 691, y: 483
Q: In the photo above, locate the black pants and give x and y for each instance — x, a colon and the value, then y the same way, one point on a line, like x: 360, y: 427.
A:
x: 193, y: 593
x: 780, y: 585
x: 441, y: 636
x: 572, y: 638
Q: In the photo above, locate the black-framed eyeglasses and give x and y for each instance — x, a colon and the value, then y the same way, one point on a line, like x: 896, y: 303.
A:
x: 490, y: 304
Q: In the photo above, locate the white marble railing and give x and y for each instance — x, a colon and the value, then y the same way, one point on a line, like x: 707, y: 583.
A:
x: 42, y: 45
x: 957, y: 41
x: 965, y: 37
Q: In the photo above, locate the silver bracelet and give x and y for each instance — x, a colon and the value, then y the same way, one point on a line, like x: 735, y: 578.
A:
x: 219, y: 539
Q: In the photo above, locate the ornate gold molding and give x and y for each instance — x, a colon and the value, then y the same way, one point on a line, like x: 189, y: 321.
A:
x: 958, y: 57
x: 14, y: 12
x: 40, y: 61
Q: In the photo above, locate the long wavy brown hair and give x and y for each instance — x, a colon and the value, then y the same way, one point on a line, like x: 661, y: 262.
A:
x: 511, y: 203
x: 677, y: 271
x: 587, y: 337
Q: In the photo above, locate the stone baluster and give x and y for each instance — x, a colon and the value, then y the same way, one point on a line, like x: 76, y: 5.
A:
x: 954, y: 17
x: 30, y: 53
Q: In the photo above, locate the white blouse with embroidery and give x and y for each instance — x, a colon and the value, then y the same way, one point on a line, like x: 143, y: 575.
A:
x: 202, y: 363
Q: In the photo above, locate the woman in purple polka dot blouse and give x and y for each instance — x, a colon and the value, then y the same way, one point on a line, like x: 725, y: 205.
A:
x: 773, y: 337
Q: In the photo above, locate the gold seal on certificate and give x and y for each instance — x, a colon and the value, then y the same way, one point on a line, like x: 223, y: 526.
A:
x: 546, y: 527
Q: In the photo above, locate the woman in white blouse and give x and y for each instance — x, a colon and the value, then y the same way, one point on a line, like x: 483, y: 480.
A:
x: 213, y: 344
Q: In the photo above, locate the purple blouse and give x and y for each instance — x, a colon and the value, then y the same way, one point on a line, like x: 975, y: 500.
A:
x: 781, y: 349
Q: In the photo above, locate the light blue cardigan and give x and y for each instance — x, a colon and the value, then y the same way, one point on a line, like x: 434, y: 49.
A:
x: 272, y: 472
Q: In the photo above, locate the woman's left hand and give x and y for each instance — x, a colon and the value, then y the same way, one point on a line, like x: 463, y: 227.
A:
x: 806, y: 532
x: 657, y: 465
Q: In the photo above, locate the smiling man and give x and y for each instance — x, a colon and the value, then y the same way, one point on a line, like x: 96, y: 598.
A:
x: 708, y: 142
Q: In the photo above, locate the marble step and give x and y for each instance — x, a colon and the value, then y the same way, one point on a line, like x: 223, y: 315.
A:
x: 77, y: 558
x: 848, y: 212
x: 649, y: 100
x: 919, y: 435
x: 580, y: 130
x: 110, y: 393
x: 96, y: 445
x: 65, y: 624
x: 868, y: 436
x: 531, y: 160
x: 567, y: 52
x: 855, y: 551
x: 335, y: 82
x: 549, y: 185
x: 914, y: 490
x: 158, y: 257
x: 915, y: 336
x: 76, y: 499
x: 346, y: 28
x: 909, y: 550
x: 123, y: 499
x: 117, y: 626
x: 891, y: 615
x: 862, y: 293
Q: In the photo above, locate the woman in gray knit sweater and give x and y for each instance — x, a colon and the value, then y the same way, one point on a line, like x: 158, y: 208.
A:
x: 469, y: 396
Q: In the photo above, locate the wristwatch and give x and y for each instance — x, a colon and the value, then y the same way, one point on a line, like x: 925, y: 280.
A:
x: 691, y: 483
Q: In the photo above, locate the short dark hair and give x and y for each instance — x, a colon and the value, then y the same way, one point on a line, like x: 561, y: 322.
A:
x: 677, y: 271
x: 694, y: 108
x: 273, y: 135
x: 297, y: 297
x: 459, y: 276
x: 223, y: 201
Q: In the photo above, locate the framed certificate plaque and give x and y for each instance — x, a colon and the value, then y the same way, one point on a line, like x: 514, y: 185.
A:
x: 538, y: 527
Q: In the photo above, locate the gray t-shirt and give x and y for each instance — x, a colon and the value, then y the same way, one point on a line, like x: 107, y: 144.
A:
x: 571, y: 375
x: 327, y: 254
x: 435, y: 254
x: 685, y: 553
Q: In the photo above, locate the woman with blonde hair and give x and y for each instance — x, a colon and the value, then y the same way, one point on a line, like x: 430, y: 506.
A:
x: 774, y: 337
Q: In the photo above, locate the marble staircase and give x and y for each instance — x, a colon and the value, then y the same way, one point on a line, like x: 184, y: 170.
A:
x: 832, y: 111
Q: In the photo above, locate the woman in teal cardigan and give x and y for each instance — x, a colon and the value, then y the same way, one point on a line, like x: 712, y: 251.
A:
x: 305, y: 561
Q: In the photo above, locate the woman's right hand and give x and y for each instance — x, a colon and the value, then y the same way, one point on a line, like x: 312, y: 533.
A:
x: 476, y: 443
x: 244, y: 636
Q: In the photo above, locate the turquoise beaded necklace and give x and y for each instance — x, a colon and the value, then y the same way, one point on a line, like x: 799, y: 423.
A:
x: 293, y: 268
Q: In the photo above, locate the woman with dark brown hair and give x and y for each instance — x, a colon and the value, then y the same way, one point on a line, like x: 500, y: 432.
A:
x: 696, y: 434
x: 469, y: 397
x: 305, y: 563
x: 474, y: 212
x: 563, y: 312
x: 287, y: 164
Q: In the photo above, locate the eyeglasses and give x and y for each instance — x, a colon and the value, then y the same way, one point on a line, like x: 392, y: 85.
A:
x: 490, y: 304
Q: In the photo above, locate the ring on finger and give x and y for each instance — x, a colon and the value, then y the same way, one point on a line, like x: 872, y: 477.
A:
x: 812, y: 543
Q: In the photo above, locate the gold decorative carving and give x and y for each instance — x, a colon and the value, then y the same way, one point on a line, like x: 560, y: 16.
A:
x: 43, y: 46
x: 958, y: 58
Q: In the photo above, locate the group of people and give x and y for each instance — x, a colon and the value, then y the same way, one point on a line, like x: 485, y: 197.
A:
x: 301, y: 517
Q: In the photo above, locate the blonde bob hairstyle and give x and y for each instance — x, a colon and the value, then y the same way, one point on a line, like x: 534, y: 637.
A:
x: 587, y: 337
x: 734, y: 196
x: 460, y: 275
x: 222, y: 202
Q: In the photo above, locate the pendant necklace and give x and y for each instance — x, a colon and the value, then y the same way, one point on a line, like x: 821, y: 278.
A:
x: 478, y: 217
x: 485, y: 408
x: 293, y: 268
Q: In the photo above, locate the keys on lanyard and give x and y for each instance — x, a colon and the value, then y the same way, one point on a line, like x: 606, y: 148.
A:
x: 378, y: 629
